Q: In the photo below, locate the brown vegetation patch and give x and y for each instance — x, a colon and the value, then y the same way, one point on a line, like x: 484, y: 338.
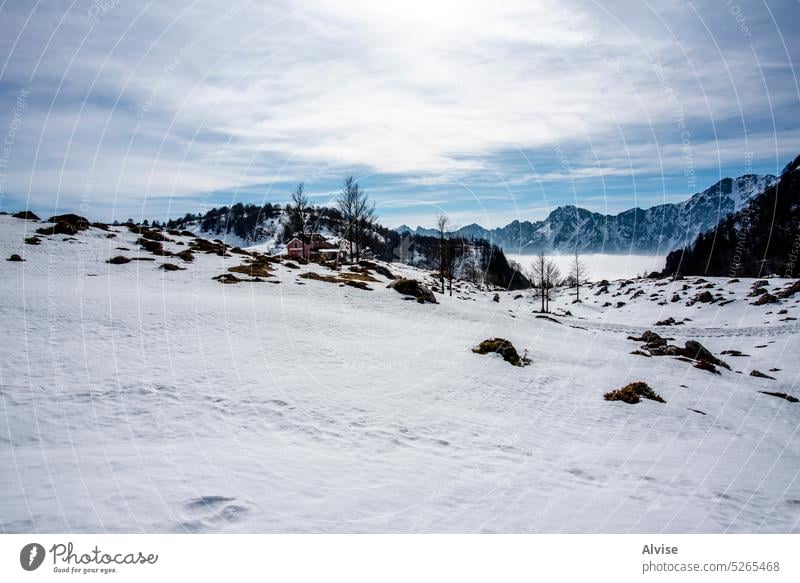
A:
x: 356, y: 277
x: 154, y: 247
x: 357, y: 284
x: 318, y: 277
x: 633, y: 393
x: 186, y: 255
x: 252, y: 269
x: 206, y: 246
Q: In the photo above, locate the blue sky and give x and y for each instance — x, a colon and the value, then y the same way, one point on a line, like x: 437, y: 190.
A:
x: 486, y: 111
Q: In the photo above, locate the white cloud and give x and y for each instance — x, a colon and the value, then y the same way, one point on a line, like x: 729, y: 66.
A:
x: 169, y: 100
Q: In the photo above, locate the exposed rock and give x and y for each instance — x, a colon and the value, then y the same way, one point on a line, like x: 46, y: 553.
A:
x: 650, y: 338
x: 766, y: 298
x: 733, y: 353
x: 27, y: 215
x: 357, y: 284
x: 633, y: 393
x: 789, y: 290
x: 291, y: 265
x: 496, y: 298
x: 789, y: 398
x: 411, y: 287
x: 119, y: 260
x: 675, y: 298
x: 703, y: 298
x: 696, y: 351
x: 546, y: 317
x: 761, y: 375
x: 68, y: 224
x: 705, y: 365
x: 668, y: 322
x: 33, y: 240
x: 669, y: 350
x: 379, y: 269
x: 58, y: 229
x: 15, y: 257
x: 502, y: 347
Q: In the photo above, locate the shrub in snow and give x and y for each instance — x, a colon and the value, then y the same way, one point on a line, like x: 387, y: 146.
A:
x: 633, y: 393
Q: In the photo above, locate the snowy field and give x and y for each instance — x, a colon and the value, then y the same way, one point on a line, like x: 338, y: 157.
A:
x: 602, y: 265
x: 134, y: 399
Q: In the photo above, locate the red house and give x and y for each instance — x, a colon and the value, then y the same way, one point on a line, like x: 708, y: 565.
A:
x: 302, y: 245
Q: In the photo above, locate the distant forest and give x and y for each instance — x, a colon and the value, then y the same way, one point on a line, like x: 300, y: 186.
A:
x: 476, y: 260
x: 761, y: 239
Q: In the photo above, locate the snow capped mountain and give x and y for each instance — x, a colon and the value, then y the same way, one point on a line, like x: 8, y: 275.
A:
x: 659, y: 229
x: 758, y: 239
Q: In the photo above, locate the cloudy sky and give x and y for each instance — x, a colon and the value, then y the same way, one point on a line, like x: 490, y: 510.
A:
x: 486, y: 110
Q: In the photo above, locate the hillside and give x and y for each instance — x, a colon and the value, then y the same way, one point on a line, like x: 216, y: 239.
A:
x: 760, y: 239
x: 656, y: 230
x: 144, y: 398
x: 265, y: 227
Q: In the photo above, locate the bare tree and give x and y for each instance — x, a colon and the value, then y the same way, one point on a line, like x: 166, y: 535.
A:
x: 441, y: 227
x: 552, y: 278
x: 545, y: 276
x: 358, y: 216
x: 299, y: 210
x: 577, y: 275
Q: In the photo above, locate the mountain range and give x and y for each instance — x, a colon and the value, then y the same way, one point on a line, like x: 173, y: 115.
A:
x: 657, y: 230
x: 758, y: 240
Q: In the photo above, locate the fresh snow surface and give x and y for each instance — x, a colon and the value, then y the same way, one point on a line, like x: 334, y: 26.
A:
x: 139, y: 400
x: 601, y: 265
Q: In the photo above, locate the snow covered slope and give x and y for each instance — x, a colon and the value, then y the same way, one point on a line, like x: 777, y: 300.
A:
x: 142, y: 400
